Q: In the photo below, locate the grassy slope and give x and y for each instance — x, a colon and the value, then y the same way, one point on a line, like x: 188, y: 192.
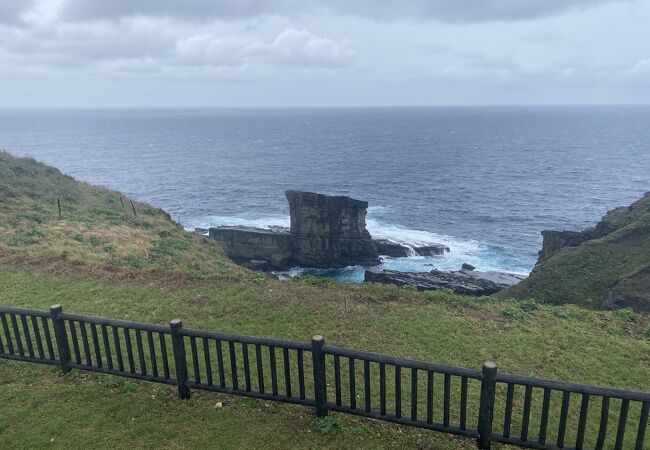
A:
x: 208, y: 292
x: 585, y: 275
x: 98, y: 229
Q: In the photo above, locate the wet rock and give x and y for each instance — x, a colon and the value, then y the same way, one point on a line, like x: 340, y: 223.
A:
x: 466, y: 266
x: 386, y: 247
x: 462, y: 282
x: 390, y: 248
x: 431, y: 249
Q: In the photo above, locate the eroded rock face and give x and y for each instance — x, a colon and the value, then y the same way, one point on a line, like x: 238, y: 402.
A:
x: 554, y: 241
x: 329, y: 231
x: 254, y: 246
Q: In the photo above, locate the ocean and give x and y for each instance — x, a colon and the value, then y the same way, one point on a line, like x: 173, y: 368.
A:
x: 483, y: 180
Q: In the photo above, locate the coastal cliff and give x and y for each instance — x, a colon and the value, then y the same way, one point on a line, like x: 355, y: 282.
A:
x: 607, y: 266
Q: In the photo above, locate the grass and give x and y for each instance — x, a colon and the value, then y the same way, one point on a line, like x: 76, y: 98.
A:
x: 97, y: 228
x: 588, y: 274
x: 434, y: 326
x: 102, y: 260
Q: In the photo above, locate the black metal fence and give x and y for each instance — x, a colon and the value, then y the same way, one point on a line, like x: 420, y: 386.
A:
x: 485, y: 405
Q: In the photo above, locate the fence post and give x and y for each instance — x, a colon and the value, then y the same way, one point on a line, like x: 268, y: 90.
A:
x: 320, y: 387
x: 178, y: 345
x: 486, y: 408
x: 61, y: 337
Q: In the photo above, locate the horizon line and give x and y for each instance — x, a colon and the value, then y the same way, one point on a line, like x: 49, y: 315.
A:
x: 451, y: 105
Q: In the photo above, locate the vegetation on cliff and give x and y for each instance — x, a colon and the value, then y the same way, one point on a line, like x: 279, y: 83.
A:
x: 606, y: 266
x: 98, y: 229
x: 43, y: 261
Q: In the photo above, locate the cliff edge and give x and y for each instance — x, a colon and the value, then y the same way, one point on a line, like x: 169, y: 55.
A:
x: 607, y: 266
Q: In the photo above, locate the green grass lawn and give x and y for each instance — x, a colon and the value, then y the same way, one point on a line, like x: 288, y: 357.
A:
x: 572, y: 344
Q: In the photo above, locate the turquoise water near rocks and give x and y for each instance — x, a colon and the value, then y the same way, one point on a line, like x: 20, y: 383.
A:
x: 483, y: 180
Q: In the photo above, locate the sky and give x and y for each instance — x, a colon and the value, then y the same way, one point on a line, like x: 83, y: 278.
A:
x: 245, y: 53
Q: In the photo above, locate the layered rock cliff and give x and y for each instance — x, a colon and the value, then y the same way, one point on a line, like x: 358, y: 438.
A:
x: 607, y: 266
x: 329, y: 231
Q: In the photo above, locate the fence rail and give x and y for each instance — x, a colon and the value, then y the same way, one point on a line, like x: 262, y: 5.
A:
x: 485, y: 405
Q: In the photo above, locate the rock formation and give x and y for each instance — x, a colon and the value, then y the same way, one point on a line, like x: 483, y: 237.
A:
x: 607, y: 266
x: 254, y: 247
x: 397, y: 250
x: 467, y: 282
x: 326, y: 231
x: 329, y: 231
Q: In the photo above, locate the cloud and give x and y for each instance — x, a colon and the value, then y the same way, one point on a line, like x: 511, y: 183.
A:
x: 11, y: 10
x: 639, y: 74
x: 160, y: 47
x: 459, y: 11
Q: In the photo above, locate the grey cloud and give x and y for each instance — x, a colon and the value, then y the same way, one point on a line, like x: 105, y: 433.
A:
x: 10, y: 10
x: 188, y: 9
x: 460, y: 11
x: 148, y: 46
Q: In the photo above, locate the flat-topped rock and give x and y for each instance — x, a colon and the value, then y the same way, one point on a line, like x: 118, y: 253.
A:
x: 329, y: 231
x: 247, y: 244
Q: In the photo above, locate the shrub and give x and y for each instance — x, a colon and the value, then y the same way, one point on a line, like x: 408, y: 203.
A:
x: 133, y: 262
x: 614, y: 330
x: 627, y: 314
x: 168, y: 247
x: 559, y: 312
x: 258, y: 277
x: 329, y: 424
x: 514, y: 312
x: 529, y: 305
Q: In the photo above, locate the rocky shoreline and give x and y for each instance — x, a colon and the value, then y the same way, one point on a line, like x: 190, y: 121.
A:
x: 330, y: 232
x: 464, y: 281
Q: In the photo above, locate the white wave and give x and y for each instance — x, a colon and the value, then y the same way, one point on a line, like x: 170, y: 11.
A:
x: 248, y: 221
x: 415, y: 238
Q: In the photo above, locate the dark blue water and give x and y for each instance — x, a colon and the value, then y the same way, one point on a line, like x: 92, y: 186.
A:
x: 484, y: 180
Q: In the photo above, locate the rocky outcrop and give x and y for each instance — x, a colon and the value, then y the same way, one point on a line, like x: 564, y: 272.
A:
x: 554, y: 240
x: 466, y: 282
x: 430, y: 250
x: 398, y: 250
x: 607, y: 266
x: 255, y: 247
x: 326, y: 231
x: 329, y: 231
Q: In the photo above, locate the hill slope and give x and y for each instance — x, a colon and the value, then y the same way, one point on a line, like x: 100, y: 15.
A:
x: 98, y: 229
x: 605, y: 266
